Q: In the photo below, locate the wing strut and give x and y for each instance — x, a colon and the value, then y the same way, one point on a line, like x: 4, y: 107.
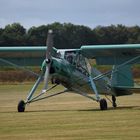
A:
x: 19, y: 67
x: 94, y: 88
x: 93, y: 85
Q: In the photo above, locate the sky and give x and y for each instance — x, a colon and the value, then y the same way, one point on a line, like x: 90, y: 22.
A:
x: 90, y: 13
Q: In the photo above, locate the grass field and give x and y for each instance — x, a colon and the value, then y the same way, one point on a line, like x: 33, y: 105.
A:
x: 67, y: 117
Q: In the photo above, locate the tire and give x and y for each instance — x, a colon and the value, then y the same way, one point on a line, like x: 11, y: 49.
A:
x: 103, y: 104
x: 21, y: 106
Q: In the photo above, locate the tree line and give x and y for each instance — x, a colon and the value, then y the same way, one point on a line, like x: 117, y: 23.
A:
x: 68, y: 35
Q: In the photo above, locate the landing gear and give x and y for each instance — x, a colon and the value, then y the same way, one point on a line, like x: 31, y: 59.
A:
x: 103, y: 104
x: 55, y: 81
x: 21, y: 106
x: 114, y: 101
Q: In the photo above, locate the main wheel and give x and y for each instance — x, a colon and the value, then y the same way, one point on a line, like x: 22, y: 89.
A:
x: 21, y: 106
x: 103, y: 104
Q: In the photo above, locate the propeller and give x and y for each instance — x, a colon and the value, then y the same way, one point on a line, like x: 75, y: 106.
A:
x: 49, y: 44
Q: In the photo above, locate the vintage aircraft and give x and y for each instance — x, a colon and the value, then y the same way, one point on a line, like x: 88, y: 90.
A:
x: 71, y: 68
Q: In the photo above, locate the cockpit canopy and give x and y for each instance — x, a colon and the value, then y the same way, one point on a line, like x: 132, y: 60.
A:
x: 78, y: 60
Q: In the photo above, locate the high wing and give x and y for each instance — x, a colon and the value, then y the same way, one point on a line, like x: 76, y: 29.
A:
x: 122, y: 57
x: 111, y: 54
x: 22, y: 56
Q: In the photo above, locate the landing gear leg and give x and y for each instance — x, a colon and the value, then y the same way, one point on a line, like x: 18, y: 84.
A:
x: 103, y: 102
x: 114, y: 101
x: 22, y: 104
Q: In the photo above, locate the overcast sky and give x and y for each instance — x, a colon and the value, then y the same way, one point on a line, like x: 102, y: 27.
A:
x: 82, y: 12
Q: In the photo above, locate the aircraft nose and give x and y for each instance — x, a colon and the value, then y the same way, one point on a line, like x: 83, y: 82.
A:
x: 55, y: 66
x: 52, y: 68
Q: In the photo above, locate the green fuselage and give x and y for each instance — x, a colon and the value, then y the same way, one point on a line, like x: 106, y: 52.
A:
x: 77, y: 78
x: 74, y: 78
x: 69, y: 76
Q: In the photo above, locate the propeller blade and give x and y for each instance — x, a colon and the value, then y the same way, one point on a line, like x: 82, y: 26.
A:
x: 46, y: 77
x: 49, y: 44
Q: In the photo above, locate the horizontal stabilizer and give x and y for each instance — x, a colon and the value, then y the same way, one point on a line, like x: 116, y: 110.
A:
x: 128, y: 90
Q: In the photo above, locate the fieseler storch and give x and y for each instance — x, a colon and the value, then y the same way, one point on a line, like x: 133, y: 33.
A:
x: 71, y: 68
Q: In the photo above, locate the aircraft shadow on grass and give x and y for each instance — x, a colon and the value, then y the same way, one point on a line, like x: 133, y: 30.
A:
x: 78, y: 110
x: 88, y: 110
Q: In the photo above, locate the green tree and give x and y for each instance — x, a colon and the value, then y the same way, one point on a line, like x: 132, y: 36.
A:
x: 1, y: 37
x: 68, y: 35
x: 14, y: 35
x: 37, y: 35
x: 134, y: 34
x: 112, y: 34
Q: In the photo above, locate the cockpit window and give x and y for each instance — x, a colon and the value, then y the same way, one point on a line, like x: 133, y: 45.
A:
x: 81, y: 64
x: 58, y: 55
x: 70, y: 57
x: 77, y: 60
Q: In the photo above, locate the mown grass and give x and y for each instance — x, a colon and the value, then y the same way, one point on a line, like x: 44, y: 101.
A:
x: 66, y: 117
